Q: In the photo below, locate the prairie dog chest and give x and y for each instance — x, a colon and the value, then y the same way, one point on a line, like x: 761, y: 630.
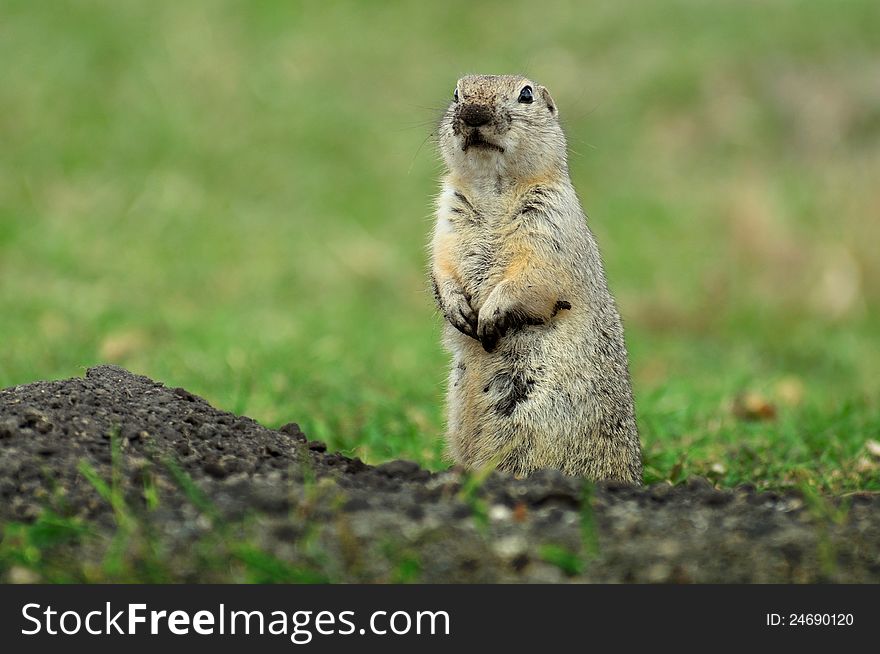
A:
x: 469, y: 239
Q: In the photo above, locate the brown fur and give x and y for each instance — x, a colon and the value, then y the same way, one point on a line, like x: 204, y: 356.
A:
x: 539, y: 374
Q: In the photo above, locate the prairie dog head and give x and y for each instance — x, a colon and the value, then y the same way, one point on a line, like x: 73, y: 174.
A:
x: 501, y: 127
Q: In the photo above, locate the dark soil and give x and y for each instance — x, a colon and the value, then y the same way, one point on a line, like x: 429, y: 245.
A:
x: 288, y: 505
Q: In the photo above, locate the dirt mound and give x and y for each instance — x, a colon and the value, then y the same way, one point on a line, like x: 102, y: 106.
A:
x: 117, y: 452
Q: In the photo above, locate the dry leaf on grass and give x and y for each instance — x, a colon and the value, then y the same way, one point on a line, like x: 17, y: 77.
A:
x: 753, y: 406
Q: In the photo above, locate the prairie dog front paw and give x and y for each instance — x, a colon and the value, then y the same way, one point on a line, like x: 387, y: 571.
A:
x: 499, y: 315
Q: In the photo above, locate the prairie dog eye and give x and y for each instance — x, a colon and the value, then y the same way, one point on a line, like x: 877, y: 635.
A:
x: 526, y: 96
x: 455, y: 95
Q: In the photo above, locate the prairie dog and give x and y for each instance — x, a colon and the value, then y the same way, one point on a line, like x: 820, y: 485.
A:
x: 539, y: 375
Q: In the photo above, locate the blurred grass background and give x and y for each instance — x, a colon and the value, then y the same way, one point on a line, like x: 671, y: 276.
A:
x: 235, y: 197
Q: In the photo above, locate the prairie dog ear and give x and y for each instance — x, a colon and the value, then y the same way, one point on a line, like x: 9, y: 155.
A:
x: 551, y: 105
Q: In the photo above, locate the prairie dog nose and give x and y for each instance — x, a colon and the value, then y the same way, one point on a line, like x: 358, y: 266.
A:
x: 475, y: 115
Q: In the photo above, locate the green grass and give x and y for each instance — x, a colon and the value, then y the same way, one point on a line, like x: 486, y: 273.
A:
x: 235, y: 197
